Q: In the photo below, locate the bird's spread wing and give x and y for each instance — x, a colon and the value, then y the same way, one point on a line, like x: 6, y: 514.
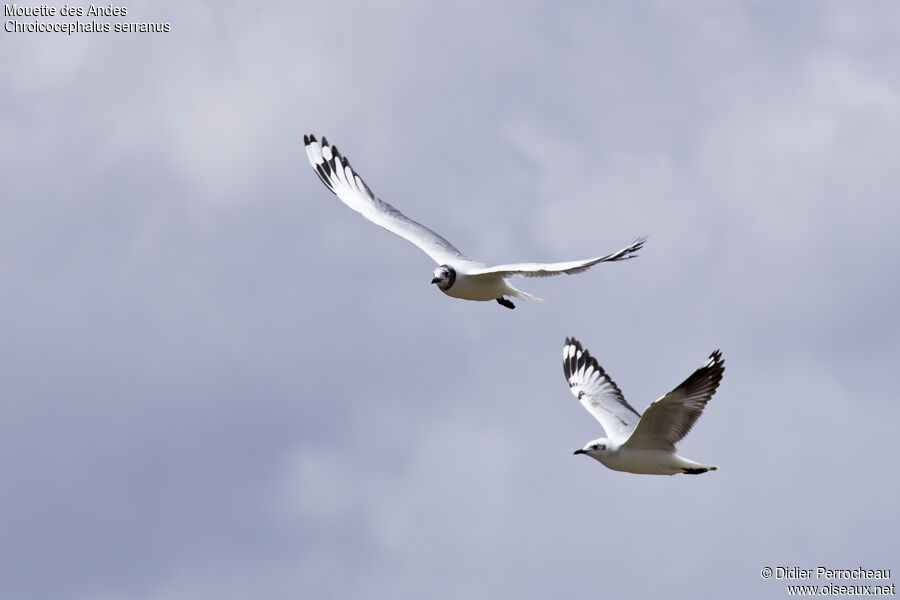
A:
x: 336, y: 173
x: 597, y: 392
x: 569, y: 268
x: 671, y: 417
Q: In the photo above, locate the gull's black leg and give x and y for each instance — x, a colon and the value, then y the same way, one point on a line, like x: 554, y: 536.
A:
x: 504, y: 302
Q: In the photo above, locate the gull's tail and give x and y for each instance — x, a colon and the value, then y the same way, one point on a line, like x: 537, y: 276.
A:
x: 511, y: 291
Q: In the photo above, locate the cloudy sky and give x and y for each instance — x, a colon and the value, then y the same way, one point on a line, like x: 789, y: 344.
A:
x: 218, y: 382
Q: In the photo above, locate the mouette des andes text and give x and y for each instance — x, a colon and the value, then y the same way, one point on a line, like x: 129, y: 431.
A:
x: 13, y: 10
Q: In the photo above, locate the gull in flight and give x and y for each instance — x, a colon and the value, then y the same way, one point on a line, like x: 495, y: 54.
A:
x: 456, y: 275
x: 640, y: 444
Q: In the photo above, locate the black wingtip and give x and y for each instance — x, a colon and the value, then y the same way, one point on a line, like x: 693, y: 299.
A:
x: 570, y: 361
x: 719, y: 362
x: 336, y: 156
x: 709, y: 374
x: 635, y: 247
x: 715, y: 361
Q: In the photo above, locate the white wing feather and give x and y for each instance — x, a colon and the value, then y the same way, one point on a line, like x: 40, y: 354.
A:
x: 669, y: 419
x: 336, y: 173
x: 597, y: 392
x: 569, y: 268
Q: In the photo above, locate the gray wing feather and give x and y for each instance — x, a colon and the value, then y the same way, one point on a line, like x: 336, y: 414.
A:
x: 669, y: 419
x: 569, y: 268
x: 338, y: 176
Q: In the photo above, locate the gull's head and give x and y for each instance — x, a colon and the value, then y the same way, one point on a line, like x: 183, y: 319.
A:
x: 595, y: 448
x: 444, y: 276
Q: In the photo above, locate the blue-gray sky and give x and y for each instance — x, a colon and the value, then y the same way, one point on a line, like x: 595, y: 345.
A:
x: 219, y: 382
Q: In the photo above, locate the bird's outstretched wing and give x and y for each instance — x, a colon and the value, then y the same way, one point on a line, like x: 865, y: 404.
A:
x: 569, y: 268
x: 671, y: 417
x: 336, y: 173
x: 597, y: 392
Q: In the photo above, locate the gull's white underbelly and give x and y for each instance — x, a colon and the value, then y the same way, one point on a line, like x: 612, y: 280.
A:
x: 478, y: 288
x: 647, y: 462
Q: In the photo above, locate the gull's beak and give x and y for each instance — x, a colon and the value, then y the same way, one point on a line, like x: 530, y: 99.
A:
x: 435, y: 280
x: 580, y: 451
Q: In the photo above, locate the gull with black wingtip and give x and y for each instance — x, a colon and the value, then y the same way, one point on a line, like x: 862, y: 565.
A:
x: 636, y: 443
x: 456, y: 275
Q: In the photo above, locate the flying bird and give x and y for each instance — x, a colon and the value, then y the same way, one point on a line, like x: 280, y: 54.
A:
x: 456, y: 275
x: 635, y: 443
